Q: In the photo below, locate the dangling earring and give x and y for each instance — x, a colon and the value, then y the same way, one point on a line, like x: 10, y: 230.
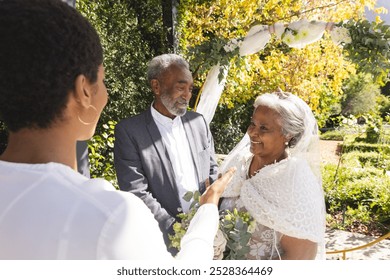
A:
x: 287, y: 149
x: 95, y: 113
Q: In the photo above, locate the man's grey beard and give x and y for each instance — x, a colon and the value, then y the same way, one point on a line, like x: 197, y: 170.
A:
x: 170, y: 105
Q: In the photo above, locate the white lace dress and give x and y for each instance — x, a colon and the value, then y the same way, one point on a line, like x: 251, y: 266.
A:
x: 284, y: 198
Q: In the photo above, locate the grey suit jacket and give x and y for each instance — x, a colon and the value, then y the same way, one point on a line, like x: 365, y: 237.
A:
x: 143, y: 166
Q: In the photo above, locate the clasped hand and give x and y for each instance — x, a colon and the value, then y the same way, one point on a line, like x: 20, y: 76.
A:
x: 214, y: 191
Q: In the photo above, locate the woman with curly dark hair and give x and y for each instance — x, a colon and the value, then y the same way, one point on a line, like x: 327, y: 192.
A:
x: 52, y: 93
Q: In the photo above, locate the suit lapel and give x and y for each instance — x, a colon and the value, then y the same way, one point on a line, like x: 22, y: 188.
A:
x: 161, y: 150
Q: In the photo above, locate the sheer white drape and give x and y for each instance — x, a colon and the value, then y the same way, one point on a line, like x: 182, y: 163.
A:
x: 211, y: 93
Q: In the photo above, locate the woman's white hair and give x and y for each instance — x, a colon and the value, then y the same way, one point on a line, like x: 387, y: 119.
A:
x: 298, y: 125
x: 292, y: 111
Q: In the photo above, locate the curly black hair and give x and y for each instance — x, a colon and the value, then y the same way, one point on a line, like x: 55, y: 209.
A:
x: 44, y: 46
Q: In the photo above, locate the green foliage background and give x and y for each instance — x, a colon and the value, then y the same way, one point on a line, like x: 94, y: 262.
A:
x: 133, y: 31
x: 360, y: 95
x: 357, y: 192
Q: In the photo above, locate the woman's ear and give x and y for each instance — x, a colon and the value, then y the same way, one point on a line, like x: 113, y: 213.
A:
x: 83, y: 91
x: 288, y: 138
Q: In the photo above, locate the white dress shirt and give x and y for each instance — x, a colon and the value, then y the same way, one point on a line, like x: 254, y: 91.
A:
x: 175, y: 139
x: 49, y: 211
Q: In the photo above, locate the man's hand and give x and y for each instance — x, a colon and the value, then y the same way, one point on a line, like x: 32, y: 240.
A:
x: 214, y: 192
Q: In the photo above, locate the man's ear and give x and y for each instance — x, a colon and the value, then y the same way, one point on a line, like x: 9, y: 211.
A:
x: 83, y: 91
x: 155, y: 85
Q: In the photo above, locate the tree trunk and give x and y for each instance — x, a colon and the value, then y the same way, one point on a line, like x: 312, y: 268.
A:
x: 169, y: 10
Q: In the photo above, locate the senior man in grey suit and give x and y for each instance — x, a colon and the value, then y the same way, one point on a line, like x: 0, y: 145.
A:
x: 166, y: 150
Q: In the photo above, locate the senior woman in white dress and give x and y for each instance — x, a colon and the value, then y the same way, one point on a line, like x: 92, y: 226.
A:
x: 52, y: 93
x: 278, y: 180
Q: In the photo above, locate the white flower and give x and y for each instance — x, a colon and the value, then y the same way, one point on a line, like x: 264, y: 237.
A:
x: 232, y: 45
x: 252, y: 227
x: 288, y: 37
x: 302, y: 32
x: 340, y: 35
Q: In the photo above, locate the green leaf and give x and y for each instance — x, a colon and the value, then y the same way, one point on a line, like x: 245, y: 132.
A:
x: 188, y: 196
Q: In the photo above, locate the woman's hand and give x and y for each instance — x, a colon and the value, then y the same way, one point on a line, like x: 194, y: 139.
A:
x: 214, y: 192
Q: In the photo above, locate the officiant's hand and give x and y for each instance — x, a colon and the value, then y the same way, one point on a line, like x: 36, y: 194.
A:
x: 213, y: 192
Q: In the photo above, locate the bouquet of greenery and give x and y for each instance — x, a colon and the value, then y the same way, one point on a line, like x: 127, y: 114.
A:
x: 236, y: 227
x: 181, y: 227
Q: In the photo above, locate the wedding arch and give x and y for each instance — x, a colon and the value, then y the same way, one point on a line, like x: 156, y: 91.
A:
x: 367, y: 44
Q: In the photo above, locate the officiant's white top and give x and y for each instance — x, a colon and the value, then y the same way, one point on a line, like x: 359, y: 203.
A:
x: 49, y: 211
